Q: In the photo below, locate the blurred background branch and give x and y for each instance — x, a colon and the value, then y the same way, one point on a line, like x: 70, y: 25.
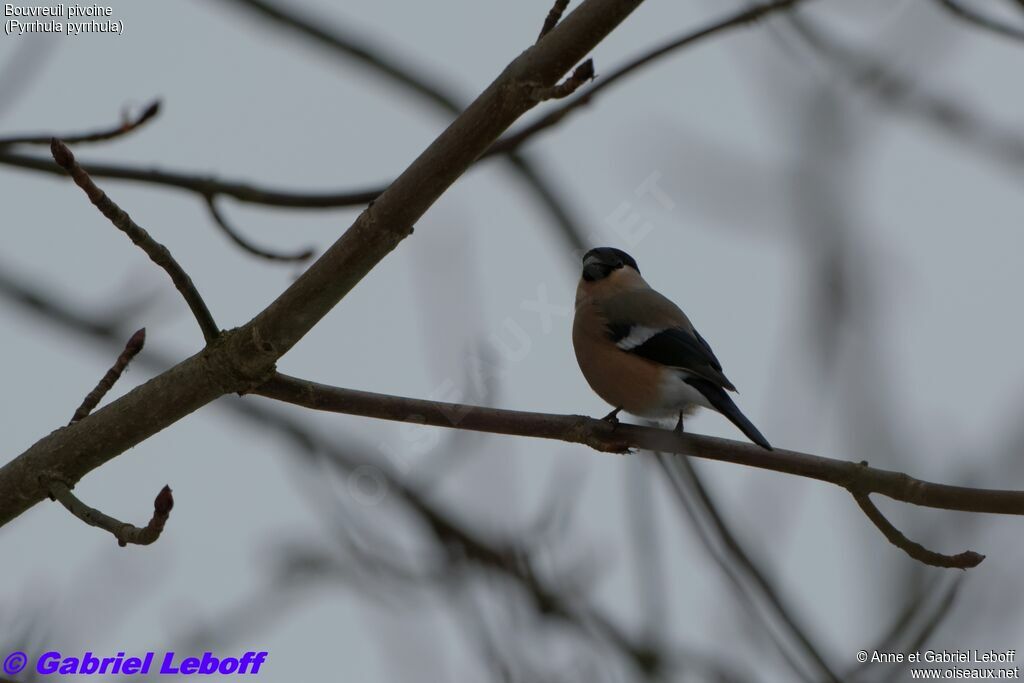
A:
x: 464, y: 557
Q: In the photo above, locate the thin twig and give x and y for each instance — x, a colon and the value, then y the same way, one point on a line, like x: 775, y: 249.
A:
x: 317, y: 30
x: 236, y: 237
x: 126, y: 126
x: 245, y: 192
x: 894, y: 636
x: 964, y: 560
x: 740, y: 557
x: 743, y: 593
x: 36, y: 298
x: 432, y: 90
x: 899, y: 92
x: 124, y: 533
x: 309, y: 443
x: 987, y: 23
x: 892, y: 641
x: 205, y: 186
x: 735, y: 20
x: 517, y: 562
x: 553, y: 17
x: 620, y: 438
x: 938, y: 617
x: 646, y: 551
x: 157, y: 252
x: 903, y: 632
x: 245, y: 357
x: 108, y: 380
x: 583, y: 73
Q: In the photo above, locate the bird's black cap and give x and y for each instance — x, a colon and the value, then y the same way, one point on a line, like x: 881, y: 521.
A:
x: 610, y: 256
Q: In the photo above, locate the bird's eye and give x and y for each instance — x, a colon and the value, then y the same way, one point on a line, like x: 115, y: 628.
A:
x: 618, y: 265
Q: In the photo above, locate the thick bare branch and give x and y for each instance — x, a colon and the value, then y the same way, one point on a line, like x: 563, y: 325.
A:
x: 108, y: 380
x: 611, y: 438
x: 434, y: 91
x: 390, y: 219
x: 964, y: 560
x: 555, y: 116
x: 312, y: 447
x: 157, y: 252
x: 124, y: 533
x: 255, y: 194
x: 242, y: 359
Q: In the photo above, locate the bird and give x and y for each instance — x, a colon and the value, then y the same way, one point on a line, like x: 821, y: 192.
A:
x: 640, y: 353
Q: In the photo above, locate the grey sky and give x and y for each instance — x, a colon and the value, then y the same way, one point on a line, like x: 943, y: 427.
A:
x: 723, y: 127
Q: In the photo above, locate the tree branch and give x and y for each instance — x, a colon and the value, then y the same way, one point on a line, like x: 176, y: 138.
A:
x: 354, y: 46
x: 964, y: 560
x: 955, y: 8
x: 740, y: 558
x: 928, y: 628
x: 157, y: 252
x: 125, y: 127
x: 108, y: 380
x: 555, y: 116
x: 241, y: 359
x: 583, y: 73
x: 737, y: 565
x: 312, y: 448
x: 428, y: 88
x: 390, y: 219
x: 124, y: 533
x: 607, y: 437
x: 221, y: 222
x: 208, y: 187
x: 516, y: 562
x: 205, y: 186
x: 553, y: 17
x: 899, y: 92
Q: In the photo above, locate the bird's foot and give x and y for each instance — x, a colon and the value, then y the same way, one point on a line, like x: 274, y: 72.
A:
x: 612, y: 417
x: 679, y: 425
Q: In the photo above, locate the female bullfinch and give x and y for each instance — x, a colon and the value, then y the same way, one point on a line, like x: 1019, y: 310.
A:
x: 640, y: 353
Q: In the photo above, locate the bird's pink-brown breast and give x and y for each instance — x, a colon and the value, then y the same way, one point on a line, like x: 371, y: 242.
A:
x: 621, y: 379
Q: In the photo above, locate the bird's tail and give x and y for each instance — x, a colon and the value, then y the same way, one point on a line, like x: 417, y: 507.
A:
x: 717, y: 397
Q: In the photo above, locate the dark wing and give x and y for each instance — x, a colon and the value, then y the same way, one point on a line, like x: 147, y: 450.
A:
x: 674, y: 347
x: 707, y: 347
